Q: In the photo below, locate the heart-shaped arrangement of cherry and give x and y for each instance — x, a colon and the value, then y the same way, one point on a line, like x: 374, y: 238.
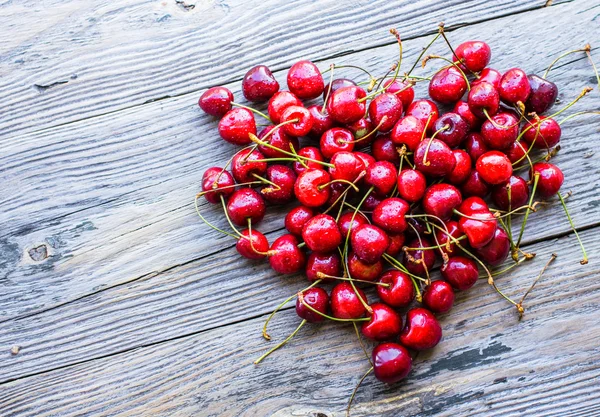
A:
x: 388, y: 187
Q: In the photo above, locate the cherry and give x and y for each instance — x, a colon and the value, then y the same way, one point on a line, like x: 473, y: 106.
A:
x: 424, y: 110
x: 337, y: 189
x: 385, y: 323
x: 475, y: 186
x: 216, y: 101
x: 345, y: 302
x: 322, y: 121
x: 403, y: 90
x: 391, y: 362
x: 408, y: 131
x: 384, y: 111
x: 371, y: 202
x: 396, y: 244
x: 383, y: 149
x: 542, y: 96
x: 488, y: 75
x: 382, y: 176
x: 416, y: 229
x: 279, y: 140
x: 434, y: 158
x: 369, y: 242
x: 475, y: 146
x: 336, y: 85
x: 345, y: 222
x: 321, y: 234
x: 244, y: 204
x: 335, y: 140
x: 447, y: 86
x: 447, y: 243
x: 345, y: 105
x: 495, y: 252
x: 216, y: 178
x: 328, y: 264
x: 346, y: 166
x: 480, y: 225
x: 247, y: 162
x: 473, y: 204
x: 400, y: 291
x: 514, y: 86
x: 411, y: 185
x: 259, y: 84
x: 285, y: 257
x: 310, y: 152
x: 389, y: 215
x: 303, y: 123
x: 483, y: 98
x: 494, y: 167
x: 439, y: 297
x: 473, y: 55
x: 359, y: 269
x: 297, y: 218
x: 519, y: 194
x: 420, y: 261
x: 311, y: 188
x: 367, y: 159
x: 460, y: 272
x: 440, y: 200
x: 252, y: 246
x: 279, y: 102
x: 318, y: 299
x: 543, y: 134
x: 502, y: 133
x: 551, y: 179
x: 462, y: 168
x: 282, y: 189
x: 517, y: 151
x: 360, y: 129
x: 236, y: 126
x: 421, y: 331
x: 455, y: 129
x: 463, y: 110
x: 305, y: 80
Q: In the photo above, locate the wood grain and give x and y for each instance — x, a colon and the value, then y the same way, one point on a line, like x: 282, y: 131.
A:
x: 488, y: 362
x: 135, y: 172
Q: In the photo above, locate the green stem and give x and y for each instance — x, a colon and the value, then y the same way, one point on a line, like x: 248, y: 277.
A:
x: 287, y: 339
x: 585, y: 257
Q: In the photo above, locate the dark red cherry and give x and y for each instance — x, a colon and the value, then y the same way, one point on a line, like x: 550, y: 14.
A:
x: 216, y: 178
x: 312, y: 153
x: 400, y: 291
x: 297, y: 218
x: 328, y: 264
x: 279, y: 102
x: 494, y: 167
x: 421, y: 331
x: 519, y: 194
x: 346, y: 106
x: 369, y: 242
x: 382, y: 176
x: 503, y: 133
x: 345, y: 302
x: 371, y: 202
x: 278, y: 139
x: 384, y: 111
x: 281, y: 190
x: 439, y: 297
x: 543, y: 134
x: 359, y: 269
x: 337, y: 84
x: 246, y: 163
x: 305, y: 80
x: 416, y: 228
x: 488, y: 75
x: 236, y: 126
x: 424, y: 110
x: 403, y: 90
x: 440, y: 200
x: 385, y: 323
x: 389, y: 215
x: 346, y: 166
x: 551, y: 179
x: 216, y: 101
x: 462, y: 168
x: 345, y: 222
x: 460, y: 272
x: 411, y: 185
x: 479, y: 226
x: 244, y: 204
x: 322, y: 121
x: 285, y: 257
x: 434, y: 158
x: 452, y: 129
x: 542, y: 96
x: 420, y: 261
x: 475, y: 146
x: 252, y: 246
x: 301, y: 120
x: 318, y: 299
x: 517, y: 151
x: 396, y: 244
x: 383, y: 149
x: 259, y: 84
x: 475, y: 186
x: 312, y: 187
x: 447, y: 86
x: 483, y: 98
x: 473, y: 55
x: 408, y: 131
x: 360, y: 129
x: 336, y: 139
x: 514, y: 86
x: 321, y: 234
x: 442, y: 237
x: 391, y: 362
x: 462, y: 109
x: 495, y: 252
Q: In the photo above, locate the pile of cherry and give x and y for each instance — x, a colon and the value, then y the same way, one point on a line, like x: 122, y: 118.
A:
x: 388, y: 187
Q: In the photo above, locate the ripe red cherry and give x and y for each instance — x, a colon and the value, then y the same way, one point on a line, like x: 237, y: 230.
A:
x: 400, y: 292
x: 391, y: 362
x: 318, y: 299
x: 321, y: 234
x: 475, y: 146
x: 551, y: 179
x: 441, y: 199
x: 312, y: 153
x: 396, y: 244
x: 424, y: 110
x: 543, y: 134
x: 383, y: 149
x: 345, y: 222
x: 473, y: 204
x: 502, y: 135
x: 442, y: 237
x: 483, y: 98
x: 216, y: 101
x: 371, y: 202
x: 462, y: 109
x: 236, y: 125
x: 259, y: 84
x: 384, y: 111
x: 517, y: 151
x: 411, y: 185
x: 303, y: 121
x: 420, y: 261
x: 305, y: 80
x: 369, y: 242
x: 345, y: 303
x: 278, y: 139
x: 247, y: 162
x: 336, y: 139
x: 337, y: 84
x: 359, y: 269
x: 455, y: 129
x: 473, y: 55
x: 479, y: 226
x: 385, y: 323
x: 382, y: 176
x: 322, y: 121
x: 475, y: 186
x: 514, y: 86
x: 360, y: 129
x: 462, y: 168
x: 408, y: 131
x: 345, y: 105
x: 244, y: 204
x: 389, y: 215
x: 279, y: 102
x: 447, y: 86
x: 403, y: 90
x: 311, y: 188
x: 460, y: 272
x: 519, y: 194
x: 346, y: 166
x: 495, y: 252
x: 285, y: 257
x: 494, y: 167
x: 488, y: 75
x: 367, y: 159
x: 328, y: 264
x: 421, y: 331
x: 439, y: 297
x: 542, y: 96
x: 282, y: 191
x: 297, y: 218
x: 216, y: 178
x: 434, y: 158
x: 252, y: 246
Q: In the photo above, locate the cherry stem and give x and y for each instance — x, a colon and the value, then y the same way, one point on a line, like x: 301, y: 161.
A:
x: 266, y: 181
x: 361, y: 343
x: 321, y: 275
x: 255, y: 139
x: 585, y: 257
x: 519, y: 305
x: 252, y: 110
x: 314, y: 310
x: 340, y: 180
x: 525, y: 155
x: 227, y: 216
x: 249, y: 238
x: 209, y: 224
x: 536, y: 178
x: 508, y: 268
x: 356, y: 389
x: 287, y: 339
x: 584, y: 49
x: 411, y: 216
x: 400, y: 267
x: 421, y: 56
x: 439, y: 246
x: 270, y: 132
x: 452, y: 64
x: 577, y: 114
x: 588, y: 48
x: 497, y: 126
x: 372, y: 132
x: 441, y: 29
x: 349, y: 66
x: 217, y: 188
x: 324, y: 107
x: 344, y: 194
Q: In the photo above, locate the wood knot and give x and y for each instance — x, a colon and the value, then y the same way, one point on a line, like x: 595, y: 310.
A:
x: 39, y: 253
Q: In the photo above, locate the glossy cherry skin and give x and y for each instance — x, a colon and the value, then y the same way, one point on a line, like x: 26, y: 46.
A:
x: 517, y: 151
x: 345, y: 302
x: 473, y: 204
x: 369, y: 242
x: 514, y: 86
x: 408, y: 131
x: 244, y: 204
x: 494, y: 167
x: 359, y: 269
x: 336, y: 139
x: 346, y: 166
x: 312, y: 188
x: 297, y: 218
x: 278, y: 139
x: 427, y: 256
x: 495, y: 252
x: 285, y: 257
x: 337, y: 84
x: 318, y: 299
x: 328, y: 264
x: 367, y: 159
x: 519, y: 194
x: 259, y: 84
x: 488, y: 75
x: 447, y: 86
x: 252, y: 246
x: 361, y: 128
x: 542, y: 96
x: 321, y: 234
x: 247, y: 162
x: 349, y: 220
x: 473, y: 55
x: 383, y: 149
x: 455, y: 129
x: 500, y: 137
x: 384, y: 111
x: 216, y: 101
x: 385, y: 323
x: 396, y: 244
x: 475, y: 146
x: 434, y: 158
x: 389, y: 215
x: 411, y: 185
x: 303, y: 121
x: 236, y: 126
x: 371, y: 202
x: 403, y: 90
x: 462, y: 109
x: 421, y: 331
x: 483, y: 98
x: 475, y: 186
x: 346, y: 106
x: 440, y: 200
x: 460, y: 272
x: 391, y: 362
x: 462, y: 168
x: 284, y: 179
x: 544, y: 134
x: 279, y: 102
x: 305, y: 80
x: 322, y: 121
x: 447, y: 242
x: 216, y: 178
x: 310, y: 152
x: 400, y: 291
x: 424, y: 110
x: 479, y: 227
x: 382, y: 176
x: 551, y: 179
x: 439, y: 297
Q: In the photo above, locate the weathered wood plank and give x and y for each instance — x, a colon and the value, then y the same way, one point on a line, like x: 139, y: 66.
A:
x: 487, y: 364
x: 73, y: 60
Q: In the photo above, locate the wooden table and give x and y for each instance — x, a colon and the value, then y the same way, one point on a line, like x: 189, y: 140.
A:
x: 116, y: 299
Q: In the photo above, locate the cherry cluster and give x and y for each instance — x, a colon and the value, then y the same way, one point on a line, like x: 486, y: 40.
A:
x: 388, y: 187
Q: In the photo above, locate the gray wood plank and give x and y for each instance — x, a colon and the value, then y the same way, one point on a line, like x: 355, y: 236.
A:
x: 71, y: 60
x: 488, y: 363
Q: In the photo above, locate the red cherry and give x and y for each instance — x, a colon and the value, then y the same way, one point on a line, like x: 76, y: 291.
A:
x: 310, y: 152
x: 303, y: 123
x: 305, y: 80
x: 247, y: 162
x: 396, y: 244
x: 455, y: 129
x: 501, y: 135
x: 462, y: 168
x: 389, y: 215
x: 424, y: 110
x: 345, y: 106
x: 384, y: 111
x: 551, y: 179
x: 383, y: 149
x: 483, y: 98
x: 367, y: 159
x: 475, y: 146
x: 411, y: 185
x: 345, y: 303
x: 360, y: 129
x: 434, y: 158
x: 259, y: 84
x: 278, y: 139
x: 216, y: 101
x: 359, y: 269
x: 246, y: 204
x: 400, y: 292
x: 391, y: 362
x: 543, y: 134
x: 297, y: 218
x: 439, y: 297
x: 336, y: 139
x: 236, y: 125
x: 337, y: 84
x: 385, y: 323
x: 279, y: 102
x: 479, y: 227
x: 382, y: 176
x: 216, y: 178
x: 519, y: 194
x: 473, y: 204
x: 321, y: 121
x: 542, y: 96
x: 321, y: 234
x: 421, y: 260
x: 371, y: 202
x: 460, y: 272
x: 514, y: 86
x: 345, y: 222
x: 463, y: 110
x: 447, y: 244
x: 403, y: 90
x: 475, y: 186
x: 447, y: 86
x: 285, y: 257
x: 440, y: 200
x: 473, y: 55
x: 488, y: 75
x: 328, y: 264
x: 408, y: 131
x: 517, y: 151
x: 421, y: 331
x: 346, y: 166
x: 495, y: 252
x: 369, y: 242
x: 318, y: 299
x: 282, y: 191
x: 311, y: 188
x: 494, y: 167
x: 252, y: 246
